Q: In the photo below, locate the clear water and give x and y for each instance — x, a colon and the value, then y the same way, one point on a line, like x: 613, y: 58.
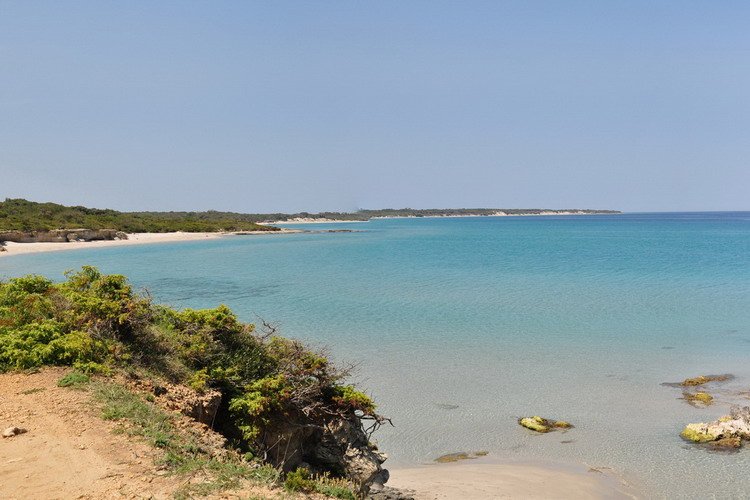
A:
x: 578, y: 318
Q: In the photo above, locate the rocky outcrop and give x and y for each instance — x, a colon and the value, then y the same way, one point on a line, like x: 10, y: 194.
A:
x: 338, y: 446
x: 727, y: 432
x: 200, y: 406
x: 62, y: 235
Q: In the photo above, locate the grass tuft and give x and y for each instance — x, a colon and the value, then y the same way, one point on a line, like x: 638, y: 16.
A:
x: 182, y: 454
x: 74, y: 380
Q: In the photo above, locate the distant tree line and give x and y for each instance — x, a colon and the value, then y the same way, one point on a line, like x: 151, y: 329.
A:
x: 24, y: 215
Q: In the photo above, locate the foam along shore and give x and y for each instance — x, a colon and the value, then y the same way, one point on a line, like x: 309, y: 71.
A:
x: 468, y: 480
x: 13, y: 248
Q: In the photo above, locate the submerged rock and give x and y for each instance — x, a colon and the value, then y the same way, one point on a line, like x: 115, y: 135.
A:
x: 705, y: 379
x: 543, y: 425
x: 446, y: 406
x: 727, y: 443
x: 453, y: 457
x: 462, y: 455
x: 694, y: 399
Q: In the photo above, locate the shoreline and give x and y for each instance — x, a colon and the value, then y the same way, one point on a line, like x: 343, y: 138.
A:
x: 482, y: 478
x: 13, y: 248
x: 500, y: 213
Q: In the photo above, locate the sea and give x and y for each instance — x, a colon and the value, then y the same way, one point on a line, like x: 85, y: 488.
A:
x: 459, y: 326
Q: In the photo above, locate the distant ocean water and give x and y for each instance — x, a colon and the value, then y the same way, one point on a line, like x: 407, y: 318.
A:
x: 579, y: 318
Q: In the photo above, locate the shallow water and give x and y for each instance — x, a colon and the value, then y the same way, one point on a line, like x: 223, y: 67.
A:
x: 578, y: 318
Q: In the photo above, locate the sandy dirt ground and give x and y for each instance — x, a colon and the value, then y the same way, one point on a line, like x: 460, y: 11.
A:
x: 69, y: 452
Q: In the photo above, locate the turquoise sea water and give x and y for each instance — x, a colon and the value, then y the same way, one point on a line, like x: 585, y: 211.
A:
x: 578, y: 318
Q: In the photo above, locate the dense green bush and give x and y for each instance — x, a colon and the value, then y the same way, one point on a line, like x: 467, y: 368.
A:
x: 23, y: 215
x: 97, y: 323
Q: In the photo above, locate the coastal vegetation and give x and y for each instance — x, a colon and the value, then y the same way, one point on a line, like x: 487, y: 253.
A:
x: 279, y: 402
x: 23, y: 215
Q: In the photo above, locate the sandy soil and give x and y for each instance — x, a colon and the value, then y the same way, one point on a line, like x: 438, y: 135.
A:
x: 133, y: 239
x: 69, y: 452
x: 469, y: 480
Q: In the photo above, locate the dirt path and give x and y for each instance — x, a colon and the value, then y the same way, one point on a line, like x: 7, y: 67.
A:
x: 69, y: 452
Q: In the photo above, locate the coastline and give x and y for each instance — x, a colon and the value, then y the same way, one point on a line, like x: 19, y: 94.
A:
x: 312, y: 220
x: 12, y: 248
x: 481, y: 479
x: 308, y: 220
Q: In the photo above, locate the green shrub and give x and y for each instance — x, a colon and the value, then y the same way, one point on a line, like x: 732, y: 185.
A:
x: 347, y: 396
x: 96, y: 323
x: 92, y: 368
x: 299, y: 480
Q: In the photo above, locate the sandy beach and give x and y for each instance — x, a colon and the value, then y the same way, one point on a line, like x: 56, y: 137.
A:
x: 470, y: 480
x: 308, y: 220
x: 133, y: 239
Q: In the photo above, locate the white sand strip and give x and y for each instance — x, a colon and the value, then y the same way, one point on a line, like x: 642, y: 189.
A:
x: 133, y: 239
x: 469, y: 480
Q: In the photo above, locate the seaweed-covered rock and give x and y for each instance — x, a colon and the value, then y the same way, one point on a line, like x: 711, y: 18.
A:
x: 705, y: 379
x: 543, y: 425
x: 699, y: 433
x: 728, y: 431
x: 698, y: 398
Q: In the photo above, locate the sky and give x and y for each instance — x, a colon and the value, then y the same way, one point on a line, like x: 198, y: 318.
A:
x: 340, y: 105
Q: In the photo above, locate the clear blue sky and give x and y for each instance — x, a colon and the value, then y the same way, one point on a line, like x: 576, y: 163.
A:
x: 287, y: 106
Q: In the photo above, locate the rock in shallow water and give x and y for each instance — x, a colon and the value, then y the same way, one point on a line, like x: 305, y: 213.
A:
x: 704, y: 379
x: 727, y: 432
x: 543, y: 425
x: 698, y: 398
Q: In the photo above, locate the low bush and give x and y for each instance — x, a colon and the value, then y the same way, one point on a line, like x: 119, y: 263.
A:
x: 97, y: 323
